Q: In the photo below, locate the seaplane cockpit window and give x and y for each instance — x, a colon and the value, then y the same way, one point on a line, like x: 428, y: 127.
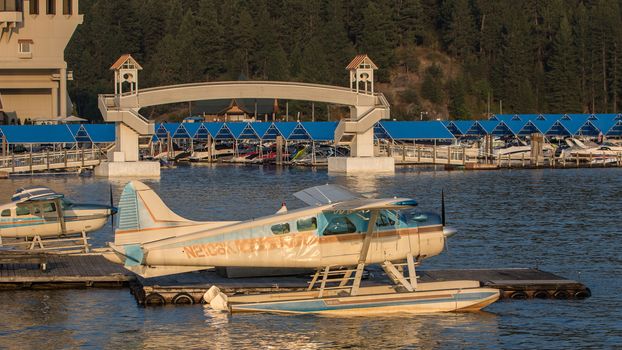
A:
x: 384, y: 220
x: 49, y: 208
x: 21, y: 211
x: 280, y: 229
x: 339, y: 225
x: 307, y: 224
x: 6, y: 212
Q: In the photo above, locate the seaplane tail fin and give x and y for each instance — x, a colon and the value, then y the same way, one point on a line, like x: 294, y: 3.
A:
x: 141, y: 210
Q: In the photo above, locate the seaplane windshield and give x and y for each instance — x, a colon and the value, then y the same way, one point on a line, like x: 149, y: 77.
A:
x: 338, y: 222
x: 414, y: 218
x: 66, y: 204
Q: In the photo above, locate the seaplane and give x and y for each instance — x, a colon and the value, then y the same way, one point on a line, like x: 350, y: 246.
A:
x: 38, y: 213
x: 338, y: 233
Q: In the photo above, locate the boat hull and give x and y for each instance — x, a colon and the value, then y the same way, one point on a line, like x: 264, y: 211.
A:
x: 381, y: 304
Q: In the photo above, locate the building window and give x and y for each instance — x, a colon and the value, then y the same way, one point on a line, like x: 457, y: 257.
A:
x: 50, y: 7
x: 25, y: 46
x: 34, y: 7
x: 67, y: 10
x: 10, y: 5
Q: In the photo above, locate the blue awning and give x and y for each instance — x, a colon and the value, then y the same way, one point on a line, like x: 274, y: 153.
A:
x: 285, y: 128
x: 192, y: 129
x: 101, y: 133
x: 272, y: 132
x: 320, y: 131
x: 260, y: 128
x: 242, y: 131
x: 37, y: 134
x: 181, y: 132
x: 615, y: 129
x: 412, y: 130
x: 557, y: 129
x: 79, y: 132
x: 496, y: 128
x: 459, y: 127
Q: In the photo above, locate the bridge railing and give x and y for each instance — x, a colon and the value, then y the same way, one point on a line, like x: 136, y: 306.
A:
x: 427, y: 154
x: 48, y: 160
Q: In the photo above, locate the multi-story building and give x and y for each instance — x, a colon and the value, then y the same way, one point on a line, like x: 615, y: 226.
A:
x: 33, y: 71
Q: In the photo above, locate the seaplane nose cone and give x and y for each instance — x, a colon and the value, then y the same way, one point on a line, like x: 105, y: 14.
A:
x: 449, y: 231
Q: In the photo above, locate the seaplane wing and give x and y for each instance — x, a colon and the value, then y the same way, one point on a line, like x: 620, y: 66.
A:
x: 35, y: 193
x: 363, y: 204
x: 326, y: 194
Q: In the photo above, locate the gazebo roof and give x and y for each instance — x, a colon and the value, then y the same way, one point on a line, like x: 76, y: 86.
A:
x: 360, y: 59
x: 234, y: 109
x: 124, y: 58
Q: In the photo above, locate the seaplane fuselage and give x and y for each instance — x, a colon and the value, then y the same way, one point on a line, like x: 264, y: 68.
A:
x: 149, y: 235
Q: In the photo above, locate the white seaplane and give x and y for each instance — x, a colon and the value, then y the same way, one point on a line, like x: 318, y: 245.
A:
x: 37, y: 212
x: 338, y: 234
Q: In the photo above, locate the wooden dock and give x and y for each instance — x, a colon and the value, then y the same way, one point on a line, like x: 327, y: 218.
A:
x: 514, y: 284
x: 61, y: 271
x: 44, y: 270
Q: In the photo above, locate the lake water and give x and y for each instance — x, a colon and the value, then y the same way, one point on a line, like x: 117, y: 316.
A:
x: 562, y: 221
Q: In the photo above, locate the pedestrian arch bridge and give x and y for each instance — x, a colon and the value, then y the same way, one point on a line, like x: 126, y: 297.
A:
x: 366, y: 108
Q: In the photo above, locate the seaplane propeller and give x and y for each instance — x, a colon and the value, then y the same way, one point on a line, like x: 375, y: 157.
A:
x: 112, y: 211
x: 447, y: 231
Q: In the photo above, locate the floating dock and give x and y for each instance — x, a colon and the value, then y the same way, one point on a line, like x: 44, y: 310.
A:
x: 38, y: 270
x: 43, y: 270
x: 517, y: 284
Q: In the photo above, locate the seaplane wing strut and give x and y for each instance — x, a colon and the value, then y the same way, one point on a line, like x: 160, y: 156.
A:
x: 364, y: 250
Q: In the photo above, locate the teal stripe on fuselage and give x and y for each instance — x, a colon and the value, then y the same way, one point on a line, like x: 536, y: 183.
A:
x: 51, y: 220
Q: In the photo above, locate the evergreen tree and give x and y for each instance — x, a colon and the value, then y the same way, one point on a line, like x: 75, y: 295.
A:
x: 461, y: 34
x: 187, y: 53
x: 378, y: 38
x: 210, y: 41
x: 411, y: 22
x: 563, y: 95
x: 457, y: 99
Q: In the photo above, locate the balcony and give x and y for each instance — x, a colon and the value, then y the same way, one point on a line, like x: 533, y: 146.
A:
x: 11, y: 17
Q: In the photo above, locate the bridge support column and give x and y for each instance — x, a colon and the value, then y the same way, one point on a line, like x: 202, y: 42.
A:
x: 123, y: 160
x: 362, y: 156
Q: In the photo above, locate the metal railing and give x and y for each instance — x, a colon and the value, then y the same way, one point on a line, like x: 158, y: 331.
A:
x: 47, y: 160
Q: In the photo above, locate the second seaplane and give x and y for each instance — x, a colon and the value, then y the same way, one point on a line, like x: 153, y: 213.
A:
x: 338, y: 234
x: 38, y: 214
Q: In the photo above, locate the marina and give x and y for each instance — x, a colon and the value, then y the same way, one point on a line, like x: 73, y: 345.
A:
x: 219, y: 175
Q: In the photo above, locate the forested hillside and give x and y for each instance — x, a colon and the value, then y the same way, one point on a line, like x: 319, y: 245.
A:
x: 441, y: 56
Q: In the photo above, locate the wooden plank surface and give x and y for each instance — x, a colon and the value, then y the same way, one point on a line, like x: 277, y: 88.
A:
x: 64, y: 268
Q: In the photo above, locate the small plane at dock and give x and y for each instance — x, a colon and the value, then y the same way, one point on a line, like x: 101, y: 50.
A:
x: 338, y: 234
x: 38, y: 211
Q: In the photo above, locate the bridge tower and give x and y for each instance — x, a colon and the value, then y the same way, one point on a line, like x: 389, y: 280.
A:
x: 126, y: 71
x: 357, y: 131
x: 362, y: 73
x: 122, y: 108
